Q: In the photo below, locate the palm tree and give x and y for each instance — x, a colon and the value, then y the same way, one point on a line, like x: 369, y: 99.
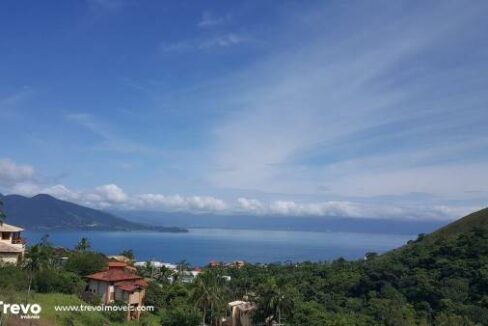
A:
x: 164, y: 275
x: 275, y: 299
x: 148, y: 269
x: 2, y: 213
x: 37, y: 259
x: 181, y: 267
x: 83, y: 245
x: 207, y: 295
x: 128, y: 253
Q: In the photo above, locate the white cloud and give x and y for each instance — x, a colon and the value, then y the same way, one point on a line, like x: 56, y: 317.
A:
x: 18, y: 178
x: 21, y: 179
x: 102, y: 196
x: 16, y: 98
x: 331, y: 208
x: 112, y: 193
x: 26, y: 188
x: 180, y: 203
x: 350, y: 209
x: 219, y: 41
x: 356, y: 115
x: 251, y: 206
x: 62, y: 192
x: 210, y: 20
x: 112, y: 196
x: 223, y: 41
x: 12, y: 173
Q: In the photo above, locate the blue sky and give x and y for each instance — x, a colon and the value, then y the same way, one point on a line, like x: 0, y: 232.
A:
x: 374, y: 108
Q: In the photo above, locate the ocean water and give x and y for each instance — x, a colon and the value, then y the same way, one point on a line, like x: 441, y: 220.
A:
x: 200, y: 246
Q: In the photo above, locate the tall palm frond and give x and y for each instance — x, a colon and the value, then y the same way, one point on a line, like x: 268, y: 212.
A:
x: 2, y: 212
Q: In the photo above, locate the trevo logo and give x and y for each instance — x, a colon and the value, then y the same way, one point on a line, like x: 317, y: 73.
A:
x: 24, y: 311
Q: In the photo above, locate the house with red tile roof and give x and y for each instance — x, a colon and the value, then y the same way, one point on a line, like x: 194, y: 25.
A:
x: 119, y: 282
x: 12, y: 246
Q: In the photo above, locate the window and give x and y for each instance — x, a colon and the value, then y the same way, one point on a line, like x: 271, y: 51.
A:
x: 5, y: 235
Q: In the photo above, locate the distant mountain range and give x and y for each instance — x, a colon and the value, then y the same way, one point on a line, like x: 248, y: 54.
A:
x: 44, y: 212
x: 285, y: 223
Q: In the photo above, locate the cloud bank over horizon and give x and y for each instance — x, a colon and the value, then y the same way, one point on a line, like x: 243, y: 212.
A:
x: 21, y: 179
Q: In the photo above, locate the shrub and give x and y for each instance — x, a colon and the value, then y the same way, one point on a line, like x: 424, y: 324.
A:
x: 12, y: 277
x: 58, y: 281
x: 85, y: 263
x: 180, y: 316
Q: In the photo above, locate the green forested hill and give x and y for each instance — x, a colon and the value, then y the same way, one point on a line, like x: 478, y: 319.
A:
x: 439, y: 279
x: 469, y: 222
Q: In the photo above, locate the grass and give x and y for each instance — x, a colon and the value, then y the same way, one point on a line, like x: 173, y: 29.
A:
x: 49, y: 300
x: 147, y: 319
x: 50, y: 317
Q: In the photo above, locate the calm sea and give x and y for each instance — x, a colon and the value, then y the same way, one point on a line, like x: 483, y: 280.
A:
x: 199, y: 246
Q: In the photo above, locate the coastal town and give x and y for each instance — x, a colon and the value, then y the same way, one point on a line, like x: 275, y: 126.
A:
x: 123, y: 280
x: 44, y: 284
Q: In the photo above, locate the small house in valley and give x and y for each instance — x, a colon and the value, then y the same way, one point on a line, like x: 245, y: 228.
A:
x: 241, y: 314
x: 119, y: 282
x: 12, y: 246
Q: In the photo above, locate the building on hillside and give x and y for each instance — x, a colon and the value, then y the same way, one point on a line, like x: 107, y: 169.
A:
x: 12, y: 246
x: 119, y: 264
x: 156, y: 264
x: 61, y: 256
x: 241, y: 314
x: 214, y: 264
x: 153, y: 268
x: 236, y: 264
x: 119, y: 282
x: 121, y: 258
x: 188, y: 276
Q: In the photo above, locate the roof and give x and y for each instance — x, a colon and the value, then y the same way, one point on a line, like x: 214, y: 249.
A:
x: 157, y: 264
x: 189, y: 273
x: 236, y: 303
x: 131, y: 286
x: 5, y: 247
x: 243, y: 306
x: 116, y: 264
x: 128, y: 287
x: 114, y: 275
x: 119, y: 258
x: 4, y: 227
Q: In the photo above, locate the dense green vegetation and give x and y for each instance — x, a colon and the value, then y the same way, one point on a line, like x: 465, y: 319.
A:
x: 439, y: 279
x: 444, y: 282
